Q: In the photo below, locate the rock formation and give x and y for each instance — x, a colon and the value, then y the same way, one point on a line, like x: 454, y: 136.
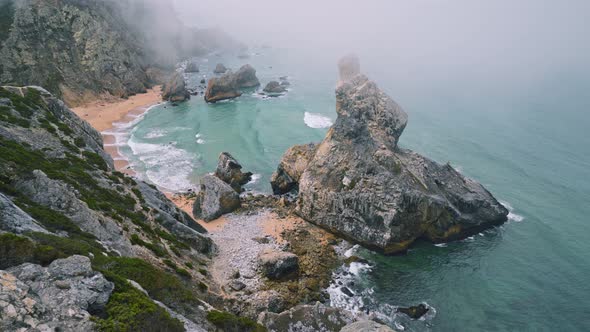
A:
x: 59, y: 297
x: 277, y: 264
x: 291, y: 167
x: 175, y: 90
x: 220, y: 69
x: 79, y: 49
x: 366, y: 326
x: 229, y: 171
x: 221, y: 88
x: 246, y: 77
x: 317, y: 317
x: 274, y: 87
x: 414, y: 312
x: 214, y: 199
x: 60, y: 196
x: 362, y: 185
x: 192, y: 67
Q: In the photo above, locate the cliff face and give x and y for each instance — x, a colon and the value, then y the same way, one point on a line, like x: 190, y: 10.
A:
x: 361, y: 185
x: 59, y: 196
x: 79, y: 49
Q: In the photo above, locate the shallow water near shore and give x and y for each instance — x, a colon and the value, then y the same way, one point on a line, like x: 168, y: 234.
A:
x: 528, y: 145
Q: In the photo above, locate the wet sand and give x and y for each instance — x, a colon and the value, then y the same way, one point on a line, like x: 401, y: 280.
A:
x: 103, y: 114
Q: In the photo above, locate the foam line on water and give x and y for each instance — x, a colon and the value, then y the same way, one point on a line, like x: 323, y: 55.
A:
x: 316, y: 121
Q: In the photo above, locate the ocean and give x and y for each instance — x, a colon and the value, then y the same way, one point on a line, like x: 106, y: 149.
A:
x: 528, y: 143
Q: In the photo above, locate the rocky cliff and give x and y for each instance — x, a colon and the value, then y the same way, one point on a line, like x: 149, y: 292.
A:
x: 362, y: 185
x: 59, y: 196
x: 80, y: 49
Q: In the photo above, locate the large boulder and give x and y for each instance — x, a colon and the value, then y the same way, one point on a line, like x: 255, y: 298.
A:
x: 220, y: 69
x: 192, y: 67
x: 361, y: 185
x: 317, y: 317
x: 214, y: 199
x: 291, y: 167
x: 246, y: 77
x: 175, y: 90
x: 274, y: 87
x: 276, y: 264
x: 221, y: 88
x: 366, y: 326
x: 60, y: 297
x: 229, y: 171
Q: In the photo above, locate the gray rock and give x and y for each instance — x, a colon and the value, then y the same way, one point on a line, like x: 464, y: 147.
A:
x: 221, y: 88
x: 220, y: 69
x: 274, y: 87
x: 175, y: 90
x: 307, y: 318
x: 176, y: 221
x: 229, y: 170
x: 236, y: 285
x: 192, y: 67
x: 291, y: 167
x: 277, y: 264
x: 61, y: 197
x: 214, y: 199
x: 246, y: 77
x: 366, y: 326
x: 15, y: 220
x: 362, y: 186
x: 60, y: 297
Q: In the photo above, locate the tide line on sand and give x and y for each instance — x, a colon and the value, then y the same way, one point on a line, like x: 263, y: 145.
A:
x: 113, y: 118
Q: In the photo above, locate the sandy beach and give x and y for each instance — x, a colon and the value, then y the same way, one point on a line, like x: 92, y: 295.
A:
x: 102, y: 114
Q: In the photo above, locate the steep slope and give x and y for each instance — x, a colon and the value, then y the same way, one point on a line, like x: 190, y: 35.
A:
x: 59, y: 196
x: 80, y: 49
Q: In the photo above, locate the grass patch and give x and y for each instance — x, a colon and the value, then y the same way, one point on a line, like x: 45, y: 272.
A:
x: 230, y: 322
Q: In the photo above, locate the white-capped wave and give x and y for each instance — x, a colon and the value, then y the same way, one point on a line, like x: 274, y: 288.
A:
x: 167, y: 166
x: 156, y: 133
x: 316, y: 121
x: 511, y: 215
x: 255, y: 178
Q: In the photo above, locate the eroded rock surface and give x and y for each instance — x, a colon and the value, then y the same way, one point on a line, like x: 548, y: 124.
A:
x: 229, y: 170
x: 221, y: 88
x: 277, y: 264
x: 246, y: 77
x: 291, y: 167
x: 175, y: 90
x: 361, y: 185
x: 318, y: 317
x: 214, y: 199
x: 60, y: 297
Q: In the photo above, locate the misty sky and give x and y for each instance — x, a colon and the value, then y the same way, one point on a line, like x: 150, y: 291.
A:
x: 495, y: 34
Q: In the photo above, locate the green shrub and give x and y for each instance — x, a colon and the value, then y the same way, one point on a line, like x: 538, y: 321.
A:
x: 231, y: 323
x: 156, y: 249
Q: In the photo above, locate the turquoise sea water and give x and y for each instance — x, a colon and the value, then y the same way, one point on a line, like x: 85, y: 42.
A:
x: 529, y: 145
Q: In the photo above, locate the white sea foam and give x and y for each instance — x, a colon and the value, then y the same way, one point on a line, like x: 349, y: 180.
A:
x: 511, y: 215
x: 314, y: 120
x: 167, y: 166
x: 440, y: 245
x: 254, y: 179
x: 156, y: 133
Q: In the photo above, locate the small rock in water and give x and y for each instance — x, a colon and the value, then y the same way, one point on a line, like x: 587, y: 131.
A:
x: 414, y: 312
x: 346, y: 291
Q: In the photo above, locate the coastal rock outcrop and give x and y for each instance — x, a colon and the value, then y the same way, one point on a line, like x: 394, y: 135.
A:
x: 219, y: 69
x: 214, y: 199
x: 229, y: 170
x: 274, y: 87
x: 361, y: 185
x: 317, y: 317
x: 414, y: 312
x: 291, y: 167
x: 366, y: 326
x: 59, y: 297
x: 246, y: 77
x: 221, y: 88
x: 192, y: 67
x: 277, y: 264
x: 175, y: 90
